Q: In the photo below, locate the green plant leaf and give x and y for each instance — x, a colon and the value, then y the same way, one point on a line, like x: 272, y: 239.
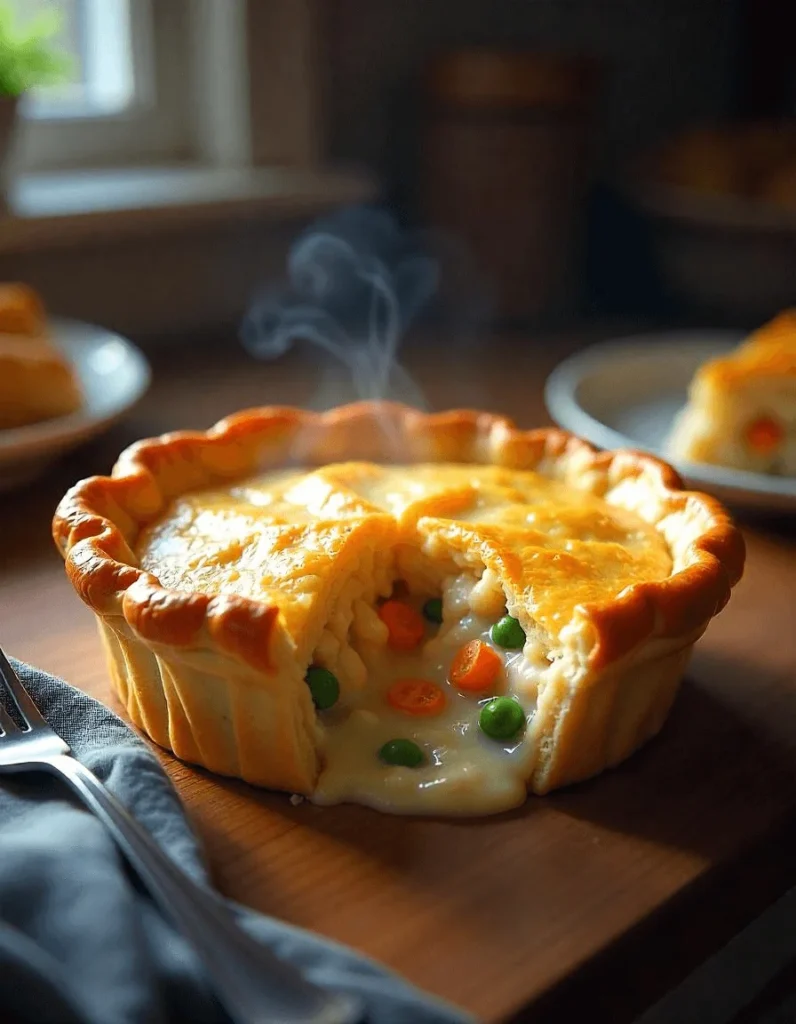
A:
x: 29, y: 57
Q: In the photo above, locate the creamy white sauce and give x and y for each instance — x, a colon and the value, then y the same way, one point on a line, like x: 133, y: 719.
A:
x: 464, y: 770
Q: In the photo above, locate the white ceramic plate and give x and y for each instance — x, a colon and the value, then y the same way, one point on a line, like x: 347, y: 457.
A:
x: 113, y: 375
x: 625, y: 394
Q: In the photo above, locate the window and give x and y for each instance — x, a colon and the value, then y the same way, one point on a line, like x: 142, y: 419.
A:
x: 219, y: 83
x: 127, y: 99
x: 97, y: 37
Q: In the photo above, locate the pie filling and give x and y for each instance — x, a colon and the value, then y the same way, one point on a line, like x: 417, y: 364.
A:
x: 429, y: 608
x: 446, y: 716
x: 770, y: 443
x: 762, y: 443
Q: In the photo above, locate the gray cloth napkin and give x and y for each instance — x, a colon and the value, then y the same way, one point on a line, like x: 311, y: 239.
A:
x: 81, y: 942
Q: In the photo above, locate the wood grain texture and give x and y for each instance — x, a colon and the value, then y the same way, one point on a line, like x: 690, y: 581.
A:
x: 599, y: 896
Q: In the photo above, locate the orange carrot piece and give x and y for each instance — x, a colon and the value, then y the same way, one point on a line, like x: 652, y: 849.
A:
x: 765, y: 434
x: 416, y: 697
x: 405, y: 626
x: 475, y: 667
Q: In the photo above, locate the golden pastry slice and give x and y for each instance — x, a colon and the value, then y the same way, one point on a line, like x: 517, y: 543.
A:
x: 36, y: 382
x: 741, y: 408
x: 422, y: 613
x: 21, y: 311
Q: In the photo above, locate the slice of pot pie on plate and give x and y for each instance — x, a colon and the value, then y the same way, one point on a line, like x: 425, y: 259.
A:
x: 741, y: 410
x: 37, y: 382
x: 421, y: 613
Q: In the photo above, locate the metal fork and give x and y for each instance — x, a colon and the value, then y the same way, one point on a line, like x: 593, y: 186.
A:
x: 252, y: 984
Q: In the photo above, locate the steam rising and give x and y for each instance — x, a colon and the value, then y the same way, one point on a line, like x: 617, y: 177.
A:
x: 355, y: 285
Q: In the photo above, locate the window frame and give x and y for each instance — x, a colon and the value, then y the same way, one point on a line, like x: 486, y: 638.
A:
x: 232, y: 84
x: 157, y: 127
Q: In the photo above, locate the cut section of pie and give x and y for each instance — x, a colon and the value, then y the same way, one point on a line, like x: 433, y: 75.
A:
x: 498, y: 611
x: 36, y: 381
x: 741, y: 408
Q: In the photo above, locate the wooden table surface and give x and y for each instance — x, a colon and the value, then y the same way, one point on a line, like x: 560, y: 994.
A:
x: 600, y: 896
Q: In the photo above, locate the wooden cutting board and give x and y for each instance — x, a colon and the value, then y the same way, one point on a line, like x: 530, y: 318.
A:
x: 598, y: 897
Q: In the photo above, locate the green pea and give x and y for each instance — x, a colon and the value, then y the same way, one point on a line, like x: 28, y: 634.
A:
x: 324, y: 687
x: 402, y: 752
x: 508, y: 633
x: 501, y: 718
x: 432, y: 609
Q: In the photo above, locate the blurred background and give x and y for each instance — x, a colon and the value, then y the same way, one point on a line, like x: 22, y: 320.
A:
x: 584, y: 160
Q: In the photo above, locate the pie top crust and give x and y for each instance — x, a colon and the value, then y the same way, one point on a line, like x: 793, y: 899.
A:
x: 768, y: 352
x: 672, y: 563
x: 279, y: 538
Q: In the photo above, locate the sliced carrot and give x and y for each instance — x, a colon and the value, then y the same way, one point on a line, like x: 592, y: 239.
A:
x: 765, y: 434
x: 475, y: 667
x: 416, y: 697
x: 405, y: 626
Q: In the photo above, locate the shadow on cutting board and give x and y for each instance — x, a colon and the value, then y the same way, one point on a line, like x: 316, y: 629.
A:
x: 713, y: 774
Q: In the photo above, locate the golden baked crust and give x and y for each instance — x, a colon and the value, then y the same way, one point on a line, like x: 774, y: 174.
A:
x: 283, y: 540
x: 769, y: 351
x: 167, y: 645
x: 21, y: 311
x: 741, y: 409
x: 36, y: 382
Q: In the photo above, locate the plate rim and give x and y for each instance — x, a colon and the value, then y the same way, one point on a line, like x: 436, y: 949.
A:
x: 560, y: 395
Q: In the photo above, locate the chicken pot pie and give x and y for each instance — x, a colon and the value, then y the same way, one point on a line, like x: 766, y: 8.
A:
x: 36, y: 382
x: 741, y: 409
x: 421, y: 613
